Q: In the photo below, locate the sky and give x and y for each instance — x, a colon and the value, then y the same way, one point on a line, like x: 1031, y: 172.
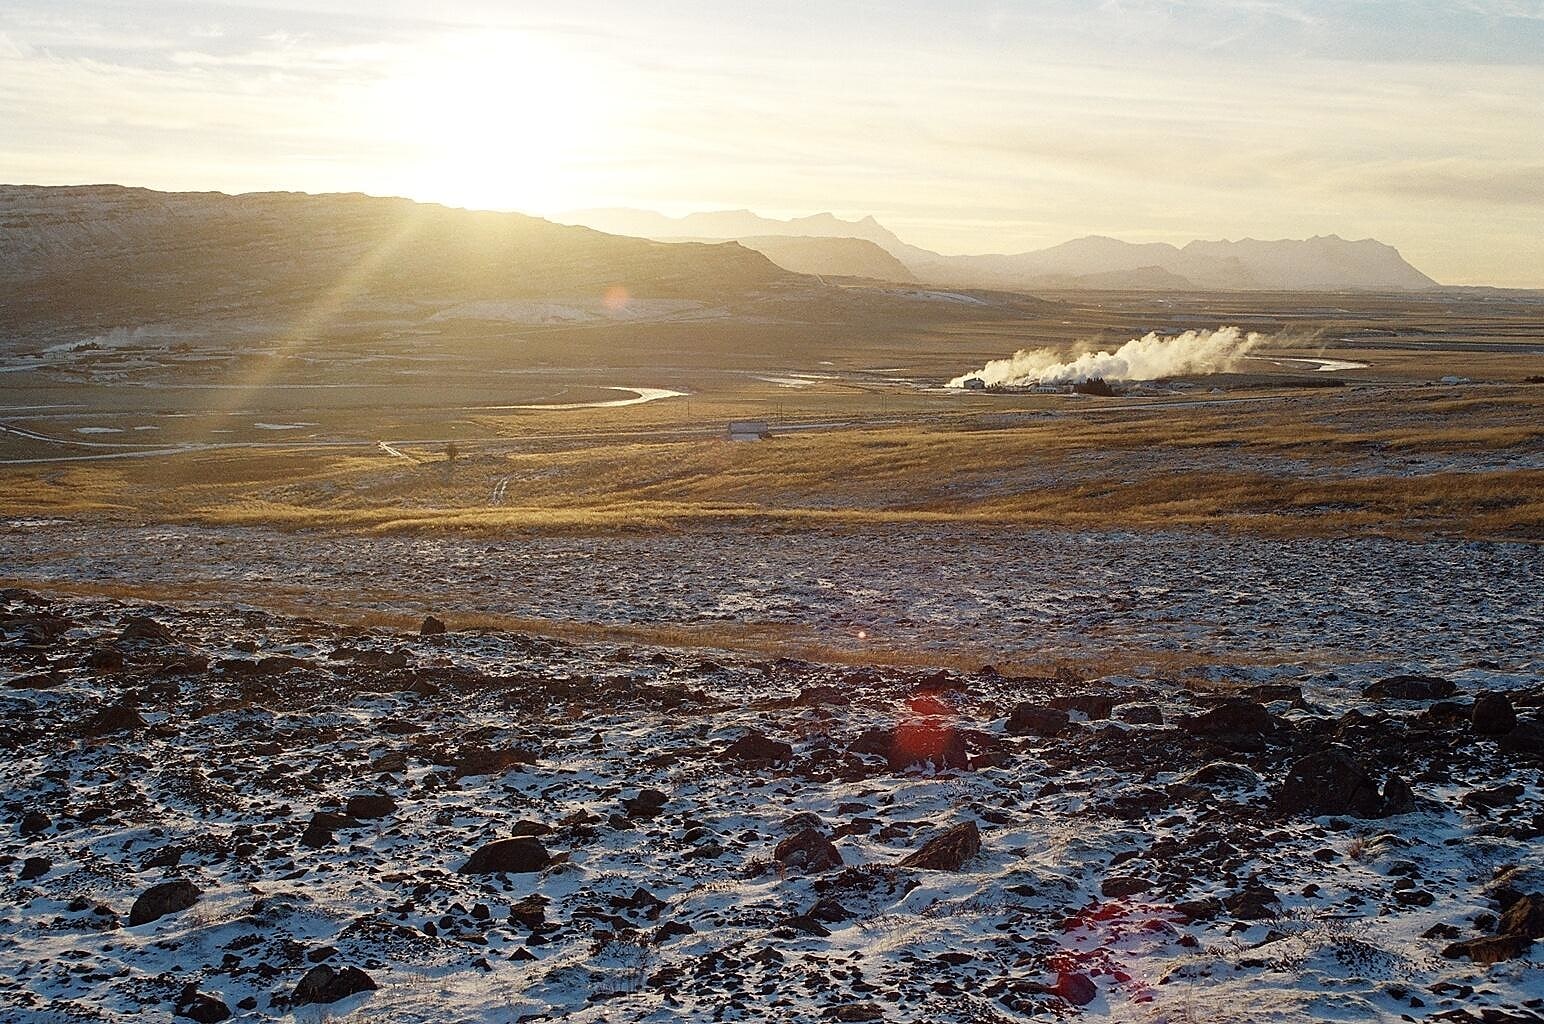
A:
x: 964, y: 126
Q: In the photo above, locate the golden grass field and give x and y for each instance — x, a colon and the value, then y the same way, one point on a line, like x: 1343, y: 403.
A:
x: 1403, y: 461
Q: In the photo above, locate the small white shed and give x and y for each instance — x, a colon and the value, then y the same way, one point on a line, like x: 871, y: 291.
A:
x: 748, y: 430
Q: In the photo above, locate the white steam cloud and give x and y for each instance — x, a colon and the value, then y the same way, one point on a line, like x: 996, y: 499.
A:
x: 1146, y: 358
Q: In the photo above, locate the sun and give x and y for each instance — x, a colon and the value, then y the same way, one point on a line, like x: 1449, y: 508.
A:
x: 495, y: 121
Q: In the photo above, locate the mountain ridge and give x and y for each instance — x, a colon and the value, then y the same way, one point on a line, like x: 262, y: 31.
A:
x: 1320, y: 262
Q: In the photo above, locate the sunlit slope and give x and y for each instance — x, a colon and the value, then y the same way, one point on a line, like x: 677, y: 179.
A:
x: 102, y: 255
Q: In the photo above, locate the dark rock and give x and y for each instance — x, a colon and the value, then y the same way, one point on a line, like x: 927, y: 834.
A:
x: 1200, y: 910
x: 1491, y: 949
x: 1119, y: 886
x: 105, y: 659
x: 159, y: 900
x: 876, y: 741
x: 35, y: 867
x: 1223, y: 775
x: 370, y: 805
x: 325, y: 984
x: 808, y: 851
x: 1329, y: 782
x: 1493, y: 714
x: 925, y: 742
x: 1410, y: 687
x: 318, y: 834
x: 1493, y: 797
x: 1037, y: 720
x: 1526, y: 738
x: 647, y: 804
x: 33, y: 822
x: 1094, y: 707
x: 522, y: 855
x: 1524, y: 917
x: 431, y: 626
x: 948, y: 851
x: 856, y: 1012
x: 475, y: 760
x: 1253, y: 903
x: 756, y: 748
x: 197, y: 1006
x: 1398, y: 797
x: 1077, y: 989
x: 119, y: 717
x: 1242, y: 718
x: 1140, y: 714
x: 142, y: 629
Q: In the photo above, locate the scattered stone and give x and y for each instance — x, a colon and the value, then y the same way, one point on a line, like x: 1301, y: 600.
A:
x: 948, y: 851
x: 159, y: 900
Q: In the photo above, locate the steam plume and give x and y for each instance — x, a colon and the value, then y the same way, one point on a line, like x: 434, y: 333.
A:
x: 1146, y: 358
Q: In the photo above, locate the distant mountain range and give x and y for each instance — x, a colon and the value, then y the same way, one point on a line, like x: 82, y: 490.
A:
x: 1327, y: 262
x: 105, y: 255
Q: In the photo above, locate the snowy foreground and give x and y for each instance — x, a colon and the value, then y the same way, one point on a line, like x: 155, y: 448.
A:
x: 215, y: 810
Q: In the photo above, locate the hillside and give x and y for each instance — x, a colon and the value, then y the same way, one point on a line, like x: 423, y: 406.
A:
x: 103, y: 255
x: 832, y: 257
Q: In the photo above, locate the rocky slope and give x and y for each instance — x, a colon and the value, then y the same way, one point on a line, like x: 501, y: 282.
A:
x: 218, y: 812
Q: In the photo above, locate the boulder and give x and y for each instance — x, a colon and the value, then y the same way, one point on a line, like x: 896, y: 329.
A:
x: 318, y: 834
x: 142, y: 629
x: 431, y: 626
x: 647, y: 804
x: 1120, y: 886
x: 521, y: 855
x: 1524, y: 917
x: 1077, y: 989
x: 1329, y: 782
x: 35, y: 867
x: 927, y: 742
x: 757, y: 748
x: 948, y: 851
x: 1493, y: 714
x: 1526, y: 739
x: 197, y: 1006
x: 1490, y: 949
x: 166, y: 898
x: 1223, y: 775
x: 119, y: 717
x: 325, y: 984
x: 1140, y: 714
x: 1037, y: 720
x: 370, y: 805
x: 1242, y: 718
x: 1410, y: 687
x: 1091, y: 706
x: 808, y: 851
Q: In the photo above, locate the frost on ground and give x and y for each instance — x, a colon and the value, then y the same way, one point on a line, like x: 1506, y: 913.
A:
x: 213, y: 810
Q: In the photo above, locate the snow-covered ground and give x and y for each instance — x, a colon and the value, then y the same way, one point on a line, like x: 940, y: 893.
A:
x: 1142, y: 845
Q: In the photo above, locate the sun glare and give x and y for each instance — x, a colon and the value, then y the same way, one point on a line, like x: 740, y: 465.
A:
x: 496, y: 122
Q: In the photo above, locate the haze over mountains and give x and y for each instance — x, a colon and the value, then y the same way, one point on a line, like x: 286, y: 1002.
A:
x: 1095, y: 262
